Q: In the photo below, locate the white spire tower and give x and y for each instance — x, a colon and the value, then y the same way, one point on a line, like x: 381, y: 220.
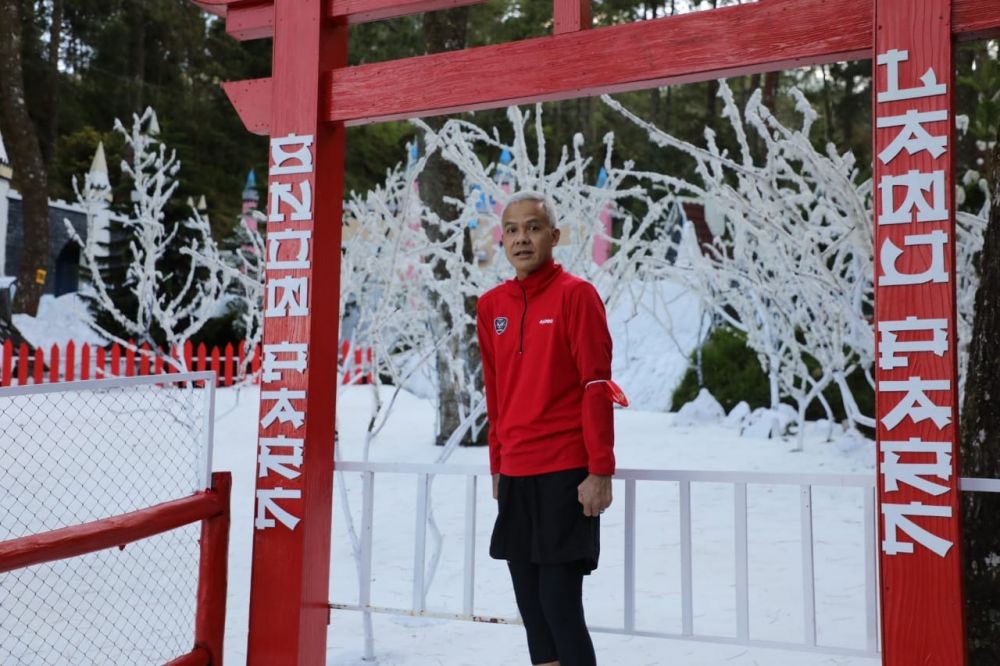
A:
x: 6, y: 173
x: 97, y: 187
x: 98, y: 175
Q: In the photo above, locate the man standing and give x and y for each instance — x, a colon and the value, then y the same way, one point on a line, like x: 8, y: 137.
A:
x: 546, y: 355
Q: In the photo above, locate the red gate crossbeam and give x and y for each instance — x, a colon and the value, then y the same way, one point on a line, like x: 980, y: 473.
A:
x: 211, y: 507
x: 253, y: 19
x: 680, y: 49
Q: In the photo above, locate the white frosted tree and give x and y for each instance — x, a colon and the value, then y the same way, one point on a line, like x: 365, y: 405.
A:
x: 176, y: 312
x: 793, y: 266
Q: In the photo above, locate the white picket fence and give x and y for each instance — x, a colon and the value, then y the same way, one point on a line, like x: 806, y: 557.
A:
x: 739, y: 482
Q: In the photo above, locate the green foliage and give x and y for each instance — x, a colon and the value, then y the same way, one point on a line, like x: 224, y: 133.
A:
x: 224, y: 329
x: 730, y: 371
x: 119, y: 56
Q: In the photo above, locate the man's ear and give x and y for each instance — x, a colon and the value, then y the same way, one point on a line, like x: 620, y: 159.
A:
x: 555, y: 236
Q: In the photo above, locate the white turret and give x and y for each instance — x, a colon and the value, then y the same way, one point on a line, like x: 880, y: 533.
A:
x: 6, y: 173
x: 5, y: 170
x: 99, y: 172
x: 99, y: 185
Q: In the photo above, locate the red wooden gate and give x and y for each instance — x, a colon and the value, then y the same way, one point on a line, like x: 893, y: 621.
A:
x: 312, y: 95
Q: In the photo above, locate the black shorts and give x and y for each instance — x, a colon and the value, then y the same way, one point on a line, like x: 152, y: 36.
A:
x: 540, y: 520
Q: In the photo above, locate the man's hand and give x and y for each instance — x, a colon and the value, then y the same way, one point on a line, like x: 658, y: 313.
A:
x: 496, y: 486
x: 594, y: 494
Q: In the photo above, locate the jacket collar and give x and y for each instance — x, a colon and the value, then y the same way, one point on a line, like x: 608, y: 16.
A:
x: 539, y: 280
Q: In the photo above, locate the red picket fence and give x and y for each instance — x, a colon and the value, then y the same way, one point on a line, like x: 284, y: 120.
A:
x: 22, y: 365
x: 360, y: 371
x: 65, y: 364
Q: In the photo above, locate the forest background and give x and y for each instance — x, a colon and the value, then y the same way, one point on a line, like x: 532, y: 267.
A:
x: 69, y: 68
x: 87, y: 62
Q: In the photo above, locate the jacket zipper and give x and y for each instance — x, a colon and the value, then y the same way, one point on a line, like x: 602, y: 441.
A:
x: 524, y: 316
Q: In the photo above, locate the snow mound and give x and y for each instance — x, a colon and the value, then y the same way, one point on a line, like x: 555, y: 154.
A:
x: 829, y: 430
x: 765, y: 423
x: 702, y: 410
x: 738, y: 415
x: 59, y: 320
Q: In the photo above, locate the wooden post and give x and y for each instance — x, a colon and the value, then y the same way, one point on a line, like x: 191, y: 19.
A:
x: 70, y: 361
x: 917, y: 379
x: 289, y: 605
x: 38, y: 376
x: 227, y: 369
x: 8, y: 363
x: 570, y: 16
x: 210, y: 618
x: 130, y: 359
x: 116, y: 360
x: 85, y: 361
x: 144, y: 354
x: 54, y: 364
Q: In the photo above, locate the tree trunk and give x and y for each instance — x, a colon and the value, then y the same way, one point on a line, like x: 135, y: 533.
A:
x: 446, y: 30
x: 770, y: 90
x: 138, y: 30
x: 30, y: 174
x: 980, y: 446
x: 48, y: 131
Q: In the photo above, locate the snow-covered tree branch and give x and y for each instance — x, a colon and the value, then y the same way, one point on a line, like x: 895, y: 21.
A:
x: 174, y: 305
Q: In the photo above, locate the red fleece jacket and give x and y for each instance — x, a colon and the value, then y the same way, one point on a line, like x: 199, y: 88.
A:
x: 543, y: 339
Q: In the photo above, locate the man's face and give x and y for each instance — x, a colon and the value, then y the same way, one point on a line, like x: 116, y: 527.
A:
x: 528, y: 236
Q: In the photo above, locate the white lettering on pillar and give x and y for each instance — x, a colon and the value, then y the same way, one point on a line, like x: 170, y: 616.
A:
x: 283, y: 410
x: 913, y: 137
x: 280, y: 463
x: 274, y: 246
x: 893, y: 93
x: 935, y: 272
x: 916, y: 184
x: 897, y: 519
x: 912, y: 473
x: 301, y: 204
x: 287, y: 297
x: 276, y: 359
x: 889, y: 344
x: 915, y: 403
x: 291, y: 154
x: 910, y: 265
x: 267, y: 504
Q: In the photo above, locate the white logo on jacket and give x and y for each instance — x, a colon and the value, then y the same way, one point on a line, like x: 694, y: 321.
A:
x: 543, y: 322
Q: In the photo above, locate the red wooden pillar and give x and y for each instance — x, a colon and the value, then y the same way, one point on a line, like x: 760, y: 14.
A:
x: 917, y: 399
x: 289, y: 602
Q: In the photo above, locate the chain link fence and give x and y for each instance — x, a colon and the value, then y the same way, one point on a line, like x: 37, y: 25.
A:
x: 78, y: 452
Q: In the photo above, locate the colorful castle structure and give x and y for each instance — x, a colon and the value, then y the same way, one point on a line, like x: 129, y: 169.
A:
x: 62, y: 268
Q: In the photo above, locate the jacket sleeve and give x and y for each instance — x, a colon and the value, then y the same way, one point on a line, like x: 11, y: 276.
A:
x: 590, y: 342
x: 486, y: 352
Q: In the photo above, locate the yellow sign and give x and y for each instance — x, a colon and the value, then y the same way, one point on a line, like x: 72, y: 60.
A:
x: 40, y: 274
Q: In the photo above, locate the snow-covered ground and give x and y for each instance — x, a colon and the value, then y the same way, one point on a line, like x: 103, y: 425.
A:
x: 648, y: 366
x: 60, y: 319
x: 647, y: 440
